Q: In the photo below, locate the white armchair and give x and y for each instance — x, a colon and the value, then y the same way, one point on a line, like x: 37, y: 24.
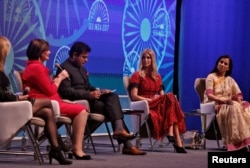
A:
x: 138, y: 105
x: 16, y: 117
x: 209, y: 122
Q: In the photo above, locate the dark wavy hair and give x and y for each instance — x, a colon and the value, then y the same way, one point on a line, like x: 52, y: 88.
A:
x: 36, y: 48
x: 79, y: 48
x: 229, y: 72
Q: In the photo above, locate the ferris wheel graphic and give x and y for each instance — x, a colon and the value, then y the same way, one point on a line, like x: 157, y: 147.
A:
x: 98, y: 16
x: 72, y: 15
x: 61, y: 55
x: 132, y: 63
x: 146, y: 24
x: 17, y: 17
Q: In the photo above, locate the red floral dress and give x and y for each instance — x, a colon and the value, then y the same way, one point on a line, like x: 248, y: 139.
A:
x: 164, y: 110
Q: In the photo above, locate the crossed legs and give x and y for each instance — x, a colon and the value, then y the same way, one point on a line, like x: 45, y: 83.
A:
x: 42, y: 108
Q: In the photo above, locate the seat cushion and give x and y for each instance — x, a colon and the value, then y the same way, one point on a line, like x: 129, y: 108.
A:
x: 63, y: 119
x: 37, y: 121
x: 96, y: 117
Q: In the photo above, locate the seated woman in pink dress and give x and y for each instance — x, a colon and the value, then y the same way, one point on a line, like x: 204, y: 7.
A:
x: 165, y: 111
x: 36, y: 76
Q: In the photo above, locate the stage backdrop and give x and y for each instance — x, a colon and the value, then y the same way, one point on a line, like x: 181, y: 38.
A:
x: 209, y: 29
x: 116, y: 30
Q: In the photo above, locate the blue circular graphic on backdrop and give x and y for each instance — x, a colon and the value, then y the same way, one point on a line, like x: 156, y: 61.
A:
x: 64, y: 21
x: 21, y: 22
x: 140, y: 28
x: 132, y: 63
x: 98, y: 16
x: 61, y: 55
x: 147, y: 24
x: 145, y: 29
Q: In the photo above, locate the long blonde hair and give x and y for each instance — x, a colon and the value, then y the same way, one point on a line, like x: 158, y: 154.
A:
x: 4, y: 50
x: 152, y: 71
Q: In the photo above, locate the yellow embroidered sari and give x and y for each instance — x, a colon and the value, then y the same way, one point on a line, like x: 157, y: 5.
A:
x: 233, y: 120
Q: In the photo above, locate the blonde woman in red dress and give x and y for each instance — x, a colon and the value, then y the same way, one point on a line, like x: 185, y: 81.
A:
x: 165, y: 111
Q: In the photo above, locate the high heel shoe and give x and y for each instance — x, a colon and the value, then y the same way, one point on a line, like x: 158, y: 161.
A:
x: 56, y: 153
x: 64, y: 147
x: 84, y: 157
x: 179, y: 149
x: 171, y: 139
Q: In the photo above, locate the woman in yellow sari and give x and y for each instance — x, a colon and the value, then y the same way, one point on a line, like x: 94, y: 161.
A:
x: 233, y: 114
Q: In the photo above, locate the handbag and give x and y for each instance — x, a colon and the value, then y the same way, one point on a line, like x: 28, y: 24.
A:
x: 192, y: 139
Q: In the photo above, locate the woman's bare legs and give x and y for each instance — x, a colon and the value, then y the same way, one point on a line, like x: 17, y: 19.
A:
x: 177, y: 136
x: 79, y: 124
x: 178, y: 146
x: 170, y: 131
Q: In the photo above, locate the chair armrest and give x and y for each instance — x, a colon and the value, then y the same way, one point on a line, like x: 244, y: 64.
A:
x: 207, y: 107
x: 56, y: 108
x: 141, y: 105
x: 83, y: 102
x: 14, y: 115
x: 209, y: 110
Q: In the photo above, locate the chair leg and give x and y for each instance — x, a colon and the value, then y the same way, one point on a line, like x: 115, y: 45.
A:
x: 90, y: 137
x: 109, y: 134
x: 35, y: 144
x: 68, y: 130
x: 149, y: 135
x: 216, y: 133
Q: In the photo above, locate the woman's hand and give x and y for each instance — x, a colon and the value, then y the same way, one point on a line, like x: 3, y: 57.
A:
x: 23, y: 97
x: 226, y: 101
x: 153, y: 98
x: 63, y: 74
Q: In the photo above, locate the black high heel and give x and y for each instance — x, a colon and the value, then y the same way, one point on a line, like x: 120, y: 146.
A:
x: 84, y: 157
x: 56, y: 153
x: 171, y: 139
x: 64, y: 147
x: 179, y: 149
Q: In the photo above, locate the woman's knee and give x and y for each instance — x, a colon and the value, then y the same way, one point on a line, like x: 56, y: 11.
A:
x: 45, y: 113
x: 43, y: 102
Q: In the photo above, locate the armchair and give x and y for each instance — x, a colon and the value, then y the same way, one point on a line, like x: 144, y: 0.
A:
x: 61, y: 120
x: 95, y: 118
x: 209, y: 122
x: 16, y: 117
x: 138, y: 105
